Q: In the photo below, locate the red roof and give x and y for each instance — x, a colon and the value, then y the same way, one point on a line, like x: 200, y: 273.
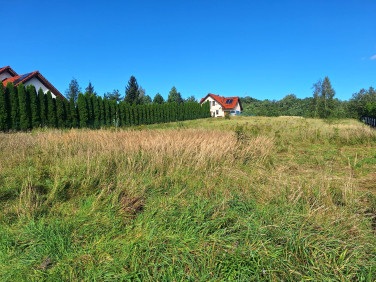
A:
x: 9, y: 69
x: 226, y: 102
x: 26, y: 77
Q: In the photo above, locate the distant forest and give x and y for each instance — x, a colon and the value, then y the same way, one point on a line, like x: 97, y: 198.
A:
x: 321, y: 105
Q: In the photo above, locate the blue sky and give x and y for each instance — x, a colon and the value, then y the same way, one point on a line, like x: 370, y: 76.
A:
x: 265, y: 49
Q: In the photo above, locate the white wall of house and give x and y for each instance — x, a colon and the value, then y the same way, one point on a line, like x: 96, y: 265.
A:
x: 235, y: 109
x: 5, y: 75
x: 37, y: 84
x: 216, y: 109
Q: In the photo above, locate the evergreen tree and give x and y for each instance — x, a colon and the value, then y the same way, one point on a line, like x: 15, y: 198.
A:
x: 3, y: 109
x: 151, y: 113
x: 102, y: 111
x: 148, y: 121
x: 42, y: 107
x: 146, y: 100
x: 158, y: 99
x: 97, y: 112
x: 174, y: 96
x: 34, y: 106
x: 82, y: 110
x: 73, y: 90
x: 90, y: 89
x: 51, y: 110
x: 14, y: 106
x: 115, y: 95
x: 73, y: 113
x: 132, y: 92
x: 60, y: 115
x: 90, y: 111
x: 107, y: 111
x: 131, y: 115
x: 136, y: 115
x: 25, y: 120
x: 67, y: 113
x: 114, y: 113
x: 127, y: 115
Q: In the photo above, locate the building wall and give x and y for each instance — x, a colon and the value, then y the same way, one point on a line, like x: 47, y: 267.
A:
x: 215, y: 108
x: 37, y: 84
x: 236, y: 109
x: 5, y: 75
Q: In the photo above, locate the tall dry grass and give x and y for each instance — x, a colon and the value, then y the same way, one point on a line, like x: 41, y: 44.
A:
x: 280, y: 197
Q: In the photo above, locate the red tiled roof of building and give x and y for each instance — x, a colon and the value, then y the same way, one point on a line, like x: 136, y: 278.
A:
x: 226, y: 102
x: 9, y: 69
x: 26, y: 77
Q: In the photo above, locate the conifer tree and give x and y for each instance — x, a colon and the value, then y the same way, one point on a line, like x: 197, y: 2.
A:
x: 158, y: 99
x: 148, y: 113
x: 25, y: 123
x: 90, y: 112
x: 14, y: 106
x: 3, y: 109
x: 73, y: 90
x: 97, y: 113
x: 51, y: 110
x: 73, y: 113
x: 151, y: 113
x: 121, y: 113
x: 68, y: 117
x: 140, y: 114
x: 132, y: 94
x: 131, y: 115
x: 34, y: 106
x: 82, y: 110
x: 60, y: 115
x: 127, y: 114
x: 136, y: 116
x: 102, y: 111
x: 42, y: 107
x: 114, y: 113
x: 107, y: 111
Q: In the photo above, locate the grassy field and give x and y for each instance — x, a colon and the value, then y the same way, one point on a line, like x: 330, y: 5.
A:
x: 242, y: 199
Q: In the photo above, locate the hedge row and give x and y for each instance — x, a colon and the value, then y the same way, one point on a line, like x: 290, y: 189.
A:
x: 23, y: 109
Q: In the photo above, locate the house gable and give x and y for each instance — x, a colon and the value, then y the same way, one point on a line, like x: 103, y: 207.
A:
x: 7, y: 72
x: 35, y: 78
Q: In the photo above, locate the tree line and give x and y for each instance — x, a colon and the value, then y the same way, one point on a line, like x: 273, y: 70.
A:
x: 23, y: 108
x: 322, y: 104
x: 134, y: 94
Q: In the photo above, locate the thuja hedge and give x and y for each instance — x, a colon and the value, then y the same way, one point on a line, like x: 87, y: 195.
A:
x: 23, y: 108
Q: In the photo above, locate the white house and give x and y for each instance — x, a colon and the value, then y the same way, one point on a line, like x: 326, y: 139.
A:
x: 221, y: 106
x: 7, y: 74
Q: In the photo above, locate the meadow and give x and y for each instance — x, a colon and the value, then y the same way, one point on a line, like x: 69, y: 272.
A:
x: 249, y: 198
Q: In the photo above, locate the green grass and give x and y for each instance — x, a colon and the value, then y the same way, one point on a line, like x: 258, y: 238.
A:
x: 250, y: 198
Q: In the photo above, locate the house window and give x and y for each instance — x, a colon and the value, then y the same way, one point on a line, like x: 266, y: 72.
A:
x: 213, y: 104
x: 216, y: 112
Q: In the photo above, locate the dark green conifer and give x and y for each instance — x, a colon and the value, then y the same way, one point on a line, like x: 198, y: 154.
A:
x: 60, y: 115
x: 97, y: 112
x: 73, y: 113
x: 51, y: 110
x: 42, y: 101
x: 3, y: 109
x: 25, y: 120
x: 34, y: 106
x: 102, y: 111
x: 82, y: 110
x: 14, y: 106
